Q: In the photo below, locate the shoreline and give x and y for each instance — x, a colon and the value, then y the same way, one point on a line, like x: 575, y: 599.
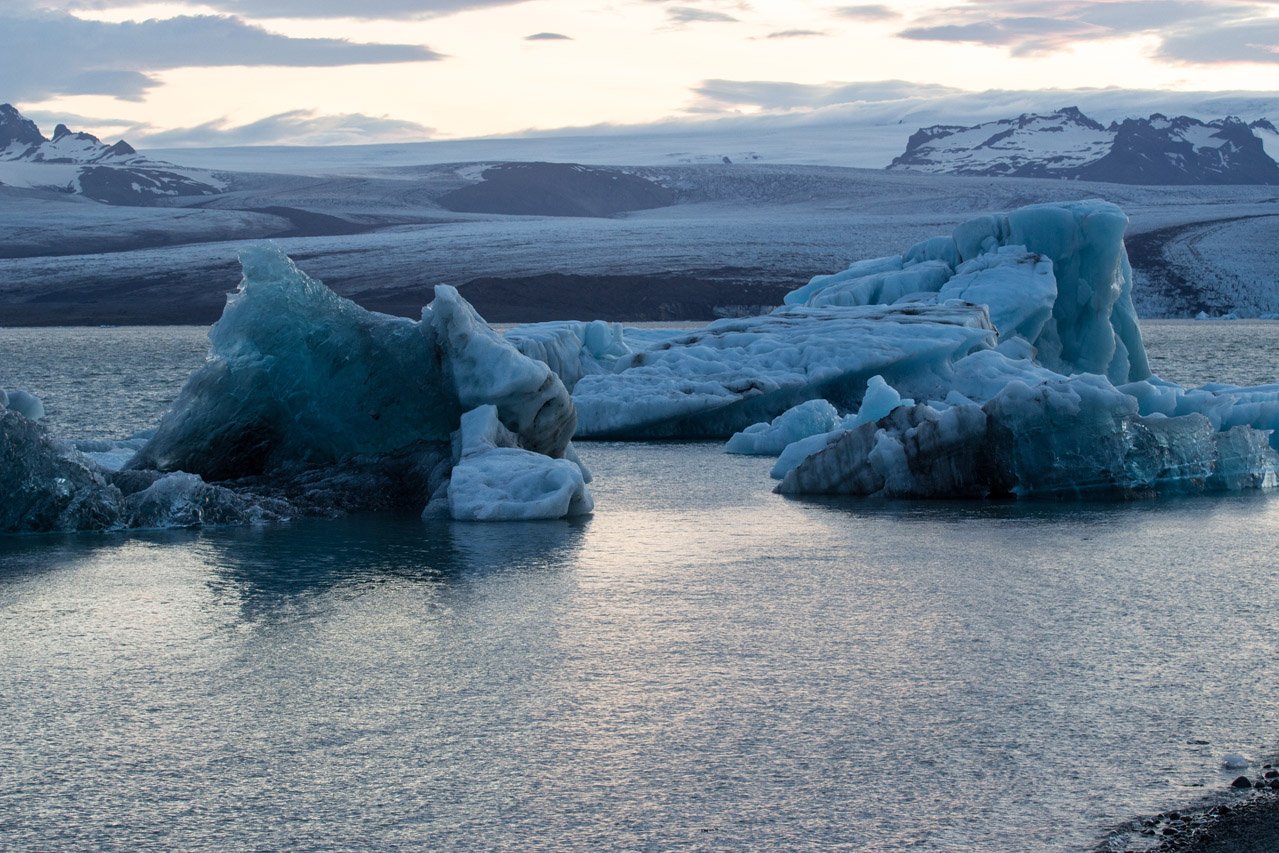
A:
x: 1237, y: 820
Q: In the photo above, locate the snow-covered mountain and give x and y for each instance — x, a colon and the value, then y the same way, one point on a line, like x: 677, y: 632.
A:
x: 82, y: 164
x: 1068, y: 144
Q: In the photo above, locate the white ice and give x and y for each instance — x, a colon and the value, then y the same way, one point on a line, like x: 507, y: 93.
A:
x: 23, y: 402
x: 813, y: 417
x: 494, y: 479
x: 735, y: 373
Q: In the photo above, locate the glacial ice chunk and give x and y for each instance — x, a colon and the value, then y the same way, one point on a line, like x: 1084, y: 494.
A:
x: 310, y: 398
x: 45, y: 484
x: 1068, y: 258
x: 813, y: 417
x: 1067, y: 437
x: 880, y: 399
x: 23, y: 402
x: 735, y: 373
x: 494, y: 479
x: 297, y: 375
x: 184, y: 500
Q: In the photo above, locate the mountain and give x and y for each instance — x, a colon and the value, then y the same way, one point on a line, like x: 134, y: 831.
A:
x: 1068, y: 144
x: 81, y: 164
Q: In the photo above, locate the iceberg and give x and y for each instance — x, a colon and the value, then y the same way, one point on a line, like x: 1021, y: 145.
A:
x: 1056, y: 275
x: 45, y: 484
x: 1063, y: 405
x: 309, y: 404
x: 813, y: 417
x: 298, y: 376
x: 495, y: 479
x: 1072, y: 437
x: 738, y: 372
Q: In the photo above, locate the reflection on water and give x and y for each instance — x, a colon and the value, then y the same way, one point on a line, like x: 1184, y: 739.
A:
x: 701, y: 664
x: 704, y: 663
x: 262, y: 568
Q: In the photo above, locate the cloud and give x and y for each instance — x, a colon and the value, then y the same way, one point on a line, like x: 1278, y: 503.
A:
x: 1194, y: 31
x: 1247, y: 41
x: 364, y: 9
x: 548, y: 37
x: 691, y: 15
x: 795, y: 34
x: 48, y: 54
x: 717, y: 95
x: 297, y: 127
x: 870, y: 12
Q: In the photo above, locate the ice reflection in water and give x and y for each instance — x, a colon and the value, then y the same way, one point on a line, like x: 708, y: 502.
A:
x: 701, y: 664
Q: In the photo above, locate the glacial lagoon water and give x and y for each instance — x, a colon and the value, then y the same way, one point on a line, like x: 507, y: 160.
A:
x: 702, y: 664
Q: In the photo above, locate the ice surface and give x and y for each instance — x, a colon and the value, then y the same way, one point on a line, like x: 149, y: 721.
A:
x: 735, y: 373
x: 494, y: 479
x: 1054, y: 274
x: 310, y: 404
x: 300, y: 379
x: 23, y: 402
x: 769, y: 439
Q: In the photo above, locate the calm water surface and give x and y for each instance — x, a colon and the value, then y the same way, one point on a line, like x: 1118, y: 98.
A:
x: 701, y: 664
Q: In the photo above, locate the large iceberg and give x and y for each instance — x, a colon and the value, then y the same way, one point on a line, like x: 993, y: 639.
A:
x: 1056, y: 275
x: 1050, y: 281
x: 308, y: 404
x: 1063, y: 405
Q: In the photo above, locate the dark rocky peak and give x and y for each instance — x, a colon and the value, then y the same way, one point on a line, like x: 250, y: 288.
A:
x: 1263, y: 124
x: 927, y: 134
x: 16, y: 129
x: 1076, y: 115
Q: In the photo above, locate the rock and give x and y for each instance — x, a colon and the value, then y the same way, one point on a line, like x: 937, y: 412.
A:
x: 1272, y: 774
x: 1241, y: 782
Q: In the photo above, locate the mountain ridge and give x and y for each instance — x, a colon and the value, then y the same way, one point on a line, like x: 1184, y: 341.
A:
x: 1156, y: 150
x: 78, y: 163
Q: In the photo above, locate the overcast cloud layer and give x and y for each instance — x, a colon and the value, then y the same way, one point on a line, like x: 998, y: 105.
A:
x: 51, y: 49
x: 53, y: 53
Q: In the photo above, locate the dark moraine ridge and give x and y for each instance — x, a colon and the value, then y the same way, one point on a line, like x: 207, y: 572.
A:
x: 685, y: 295
x: 197, y: 297
x: 557, y: 189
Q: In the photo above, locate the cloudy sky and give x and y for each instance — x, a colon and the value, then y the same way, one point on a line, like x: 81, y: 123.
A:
x: 332, y: 71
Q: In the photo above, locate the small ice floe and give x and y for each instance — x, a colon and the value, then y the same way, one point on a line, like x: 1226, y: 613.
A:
x: 1234, y: 761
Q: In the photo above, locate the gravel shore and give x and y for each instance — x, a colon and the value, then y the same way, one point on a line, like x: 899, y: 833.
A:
x: 1243, y: 820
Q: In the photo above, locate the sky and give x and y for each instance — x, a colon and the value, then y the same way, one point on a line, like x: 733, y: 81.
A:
x: 227, y: 72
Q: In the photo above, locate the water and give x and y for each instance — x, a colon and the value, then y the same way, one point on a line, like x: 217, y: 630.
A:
x: 701, y: 664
